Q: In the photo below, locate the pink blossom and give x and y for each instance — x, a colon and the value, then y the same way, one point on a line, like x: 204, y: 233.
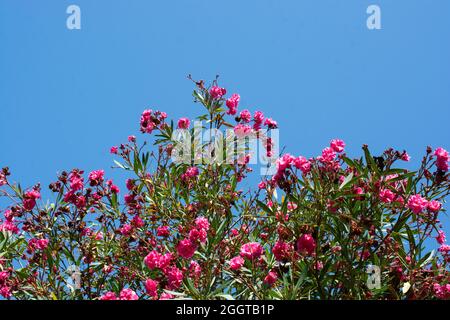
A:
x: 251, y: 250
x: 113, y: 150
x: 163, y: 231
x: 258, y: 117
x: 271, y: 278
x: 262, y: 185
x: 132, y: 138
x: 441, y: 237
x: 417, y: 204
x: 183, y: 123
x: 245, y: 116
x: 217, y: 92
x: 281, y: 250
x: 444, y: 248
x: 151, y: 287
x: 386, y: 196
x: 236, y: 263
x: 174, y: 278
x: 328, y: 155
x: 242, y: 130
x: 109, y: 296
x: 29, y: 199
x: 442, y: 159
x: 232, y: 104
x: 405, y: 156
x: 434, y: 206
x: 165, y: 296
x: 186, y: 248
x: 191, y: 172
x: 202, y: 223
x: 302, y: 164
x: 128, y: 294
x: 284, y: 162
x: 96, y: 177
x: 126, y: 229
x: 152, y: 259
x: 270, y: 123
x: 337, y: 145
x: 306, y: 244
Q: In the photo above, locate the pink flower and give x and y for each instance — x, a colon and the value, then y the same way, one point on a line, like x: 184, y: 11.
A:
x: 444, y: 248
x: 152, y: 259
x: 128, y: 294
x: 442, y: 159
x: 271, y: 278
x: 281, y: 250
x: 328, y: 155
x: 337, y: 145
x: 441, y: 237
x: 270, y: 123
x: 302, y: 164
x: 186, y: 248
x: 262, y: 185
x: 109, y: 296
x: 163, y: 231
x: 306, y: 244
x: 126, y: 230
x: 417, y: 204
x: 191, y: 172
x: 113, y: 150
x: 242, y: 130
x: 29, y: 199
x: 3, y: 180
x: 96, y: 177
x: 405, y: 156
x: 386, y: 196
x: 217, y: 92
x: 165, y: 296
x: 434, y: 206
x: 42, y: 244
x: 76, y: 181
x: 183, y: 123
x: 5, y: 291
x: 258, y: 117
x: 174, y: 278
x: 284, y: 162
x: 132, y: 138
x: 236, y: 263
x: 202, y: 223
x: 232, y: 104
x: 245, y: 116
x: 251, y: 250
x: 151, y: 287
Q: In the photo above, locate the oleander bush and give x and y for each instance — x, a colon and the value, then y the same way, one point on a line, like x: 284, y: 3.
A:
x: 328, y: 227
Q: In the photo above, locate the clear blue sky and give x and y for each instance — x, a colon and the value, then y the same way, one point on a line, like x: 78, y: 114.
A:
x: 66, y: 96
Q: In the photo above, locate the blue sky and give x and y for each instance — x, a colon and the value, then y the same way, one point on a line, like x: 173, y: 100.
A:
x: 66, y: 96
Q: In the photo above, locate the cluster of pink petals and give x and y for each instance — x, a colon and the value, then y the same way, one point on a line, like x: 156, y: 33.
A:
x: 5, y: 289
x: 184, y: 123
x: 251, y: 250
x: 386, y: 196
x: 3, y: 180
x: 29, y: 199
x: 150, y: 120
x: 37, y: 244
x: 236, y: 263
x: 125, y: 294
x: 190, y: 173
x: 271, y: 278
x: 96, y: 177
x: 442, y: 158
x: 417, y: 203
x: 282, y: 250
x: 217, y: 92
x: 442, y: 291
x: 157, y: 260
x: 232, y: 104
x: 306, y: 244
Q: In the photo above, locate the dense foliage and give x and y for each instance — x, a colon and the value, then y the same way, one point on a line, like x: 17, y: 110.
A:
x: 190, y: 230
